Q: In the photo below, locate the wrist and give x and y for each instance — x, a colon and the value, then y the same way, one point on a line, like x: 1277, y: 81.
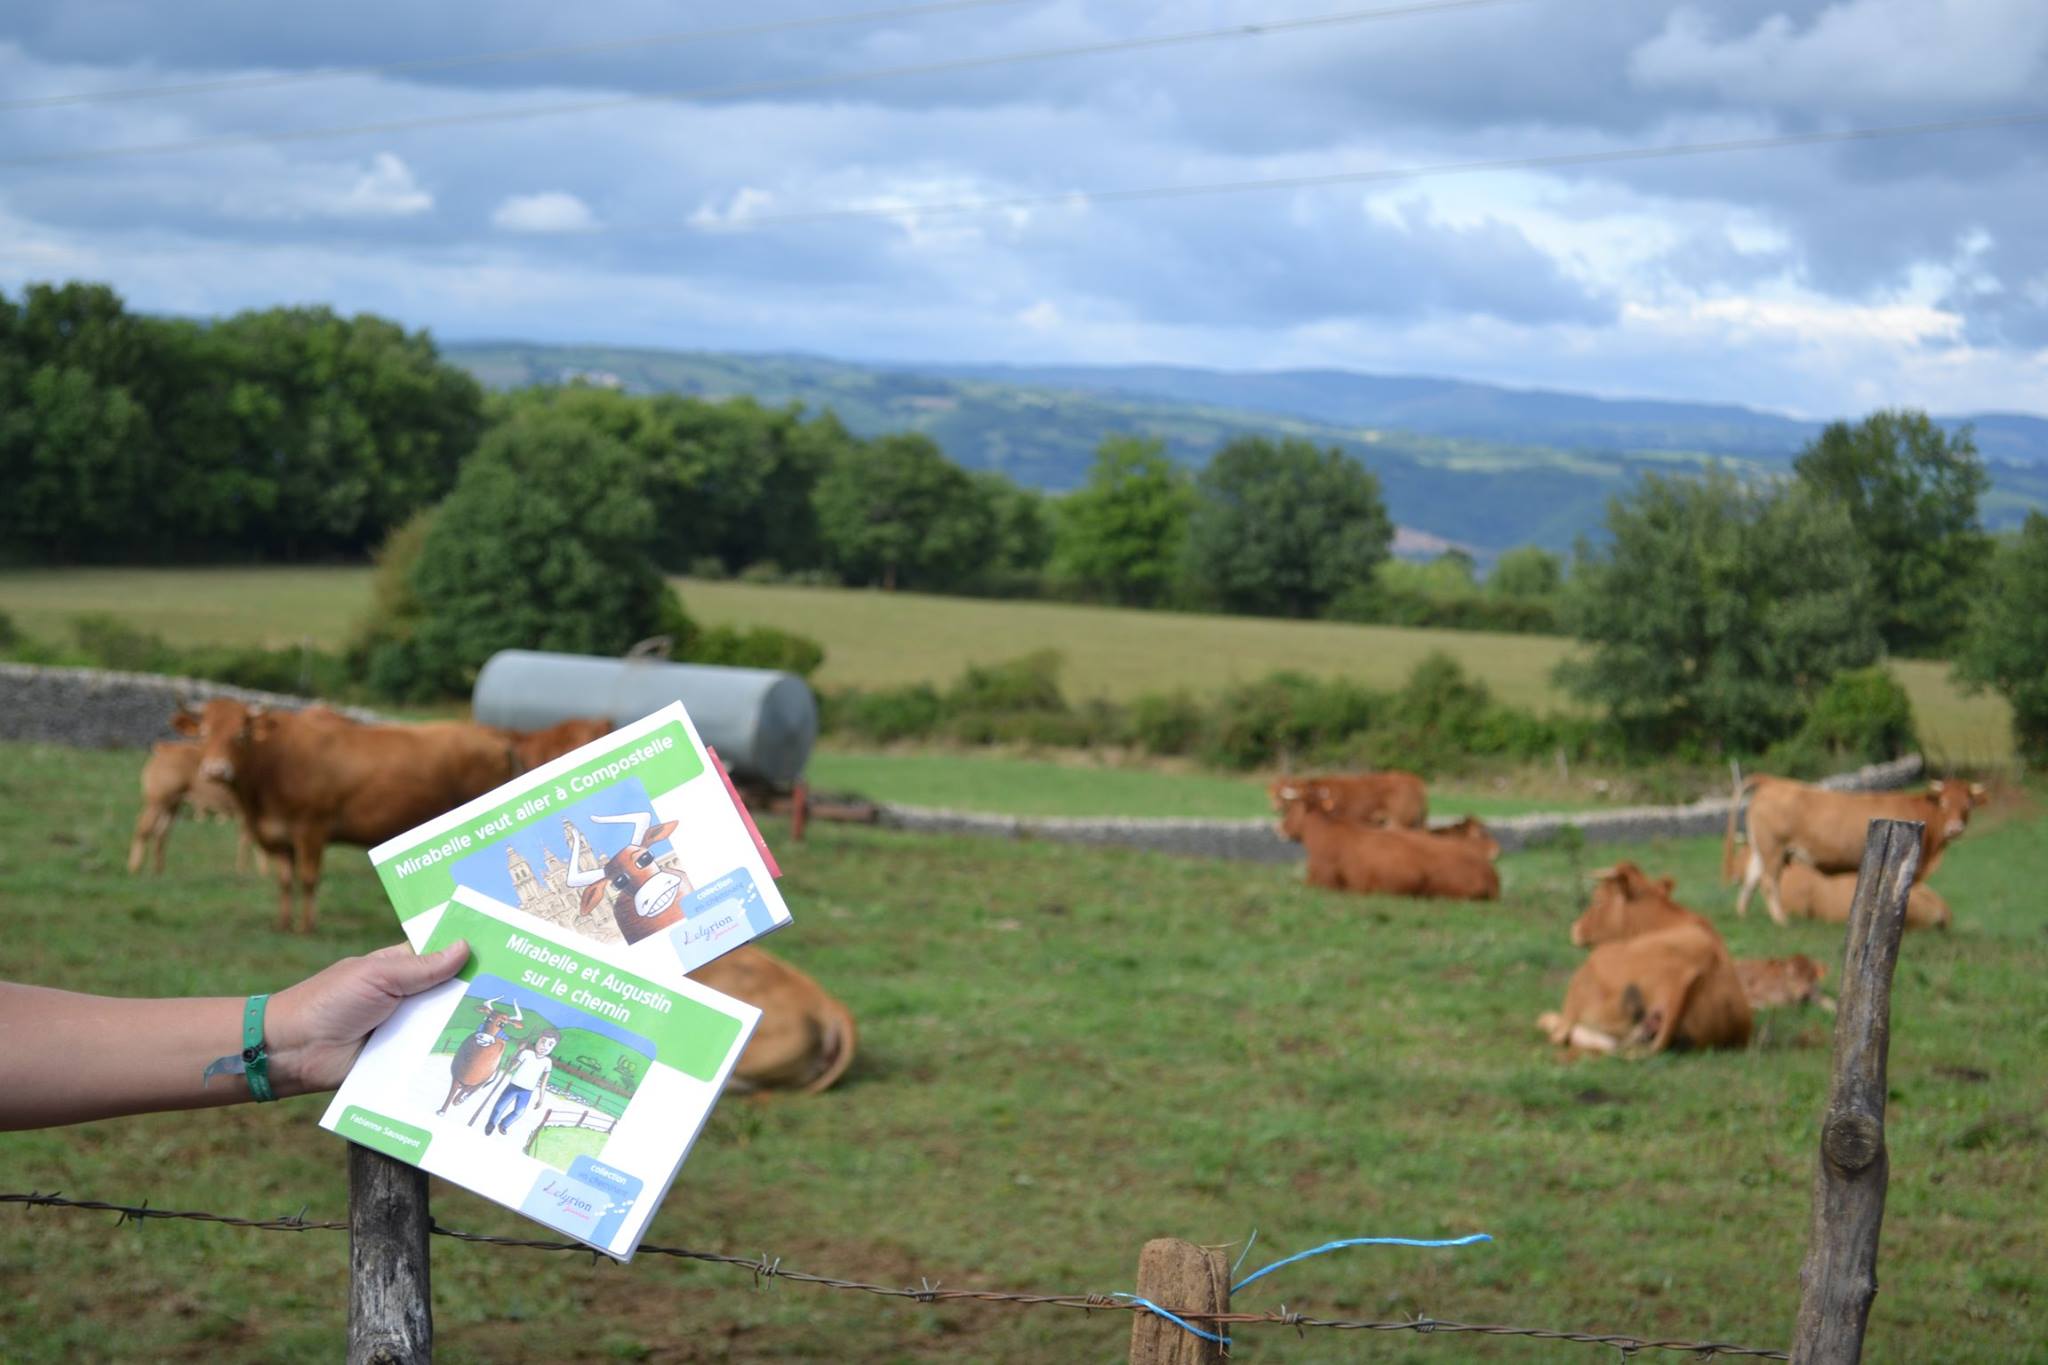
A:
x: 285, y: 1042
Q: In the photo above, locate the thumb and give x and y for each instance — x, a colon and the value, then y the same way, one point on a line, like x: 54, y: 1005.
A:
x: 405, y: 973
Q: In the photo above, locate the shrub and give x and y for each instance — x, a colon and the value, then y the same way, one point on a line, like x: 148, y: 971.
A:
x: 886, y: 714
x: 1284, y: 717
x: 1863, y: 716
x: 1166, y: 723
x: 110, y: 642
x: 1030, y: 682
x: 756, y: 647
x: 10, y: 634
x: 708, y: 567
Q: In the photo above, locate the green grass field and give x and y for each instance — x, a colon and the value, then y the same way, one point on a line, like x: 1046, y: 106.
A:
x: 874, y: 638
x: 1065, y: 1051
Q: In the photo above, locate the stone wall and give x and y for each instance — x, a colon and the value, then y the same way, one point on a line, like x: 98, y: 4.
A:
x: 92, y: 708
x: 1257, y: 841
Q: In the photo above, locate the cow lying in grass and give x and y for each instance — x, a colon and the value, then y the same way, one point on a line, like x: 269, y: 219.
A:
x: 805, y: 1040
x: 1393, y: 798
x: 1392, y: 862
x: 1658, y: 976
x: 1772, y: 982
x: 1813, y: 894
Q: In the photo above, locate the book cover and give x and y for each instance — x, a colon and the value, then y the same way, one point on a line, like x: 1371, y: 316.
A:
x: 568, y: 1068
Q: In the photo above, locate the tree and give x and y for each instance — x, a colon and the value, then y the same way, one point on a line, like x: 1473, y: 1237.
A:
x: 1717, y: 611
x: 1280, y: 528
x: 898, y: 513
x: 2006, y: 646
x: 1525, y: 571
x: 1121, y: 535
x: 546, y: 543
x: 1911, y: 492
x: 1023, y: 536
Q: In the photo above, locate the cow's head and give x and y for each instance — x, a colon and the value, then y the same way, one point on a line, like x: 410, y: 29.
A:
x: 1470, y: 830
x: 495, y: 1020
x: 631, y: 872
x: 1953, y: 802
x: 1626, y: 902
x: 1285, y: 791
x: 224, y: 729
x: 1294, y: 817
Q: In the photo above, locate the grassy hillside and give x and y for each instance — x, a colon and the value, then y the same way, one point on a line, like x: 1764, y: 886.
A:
x: 873, y: 638
x: 1065, y: 1051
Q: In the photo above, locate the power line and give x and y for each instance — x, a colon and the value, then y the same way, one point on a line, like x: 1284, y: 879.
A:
x: 1390, y: 173
x: 230, y: 83
x: 754, y: 88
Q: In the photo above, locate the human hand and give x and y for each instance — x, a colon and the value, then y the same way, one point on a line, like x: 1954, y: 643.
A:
x: 315, y: 1029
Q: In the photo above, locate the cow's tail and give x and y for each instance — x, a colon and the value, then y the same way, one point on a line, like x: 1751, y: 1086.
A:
x: 1729, y: 872
x: 841, y: 1041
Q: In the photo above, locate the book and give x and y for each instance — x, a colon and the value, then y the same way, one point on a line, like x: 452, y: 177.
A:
x: 566, y: 1071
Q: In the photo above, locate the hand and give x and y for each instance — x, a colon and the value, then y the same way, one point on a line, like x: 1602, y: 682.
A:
x: 315, y: 1029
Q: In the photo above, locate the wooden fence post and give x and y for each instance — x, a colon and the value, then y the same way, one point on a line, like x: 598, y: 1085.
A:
x: 390, y: 1298
x: 1839, y: 1279
x: 1183, y: 1278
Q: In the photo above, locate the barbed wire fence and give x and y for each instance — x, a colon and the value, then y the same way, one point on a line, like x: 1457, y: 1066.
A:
x: 1180, y: 1309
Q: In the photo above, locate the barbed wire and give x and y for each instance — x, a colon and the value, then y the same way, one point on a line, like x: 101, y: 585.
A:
x: 766, y: 1267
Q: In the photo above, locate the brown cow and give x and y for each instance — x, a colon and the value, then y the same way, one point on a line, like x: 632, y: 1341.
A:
x: 1392, y: 798
x: 1395, y: 862
x: 805, y: 1040
x: 303, y: 781
x: 1769, y: 982
x: 170, y: 779
x: 1790, y: 819
x: 535, y: 747
x: 1628, y: 903
x: 650, y: 897
x: 476, y: 1061
x: 1476, y: 833
x: 1825, y: 896
x: 1673, y: 987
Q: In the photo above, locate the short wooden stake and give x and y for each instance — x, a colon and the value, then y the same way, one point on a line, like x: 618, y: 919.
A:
x: 799, y: 809
x: 390, y: 1294
x: 1183, y: 1278
x: 1839, y: 1279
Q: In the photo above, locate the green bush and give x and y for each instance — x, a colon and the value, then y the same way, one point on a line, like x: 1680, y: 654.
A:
x: 109, y: 642
x: 10, y: 634
x: 1862, y: 716
x: 756, y: 647
x: 1166, y: 722
x: 886, y: 714
x: 1030, y: 682
x: 1285, y: 717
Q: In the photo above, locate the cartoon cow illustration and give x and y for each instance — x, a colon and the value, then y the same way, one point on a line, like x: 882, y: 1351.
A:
x: 649, y: 898
x: 476, y: 1061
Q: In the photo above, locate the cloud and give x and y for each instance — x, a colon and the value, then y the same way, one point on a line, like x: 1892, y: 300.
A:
x: 384, y: 188
x: 552, y: 211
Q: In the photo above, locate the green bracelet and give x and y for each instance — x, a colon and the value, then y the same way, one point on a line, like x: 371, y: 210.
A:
x: 255, y: 1060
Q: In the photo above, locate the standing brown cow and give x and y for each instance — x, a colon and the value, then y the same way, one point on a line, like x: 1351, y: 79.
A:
x: 649, y: 898
x: 1392, y: 798
x: 476, y: 1061
x: 303, y: 781
x: 1790, y: 819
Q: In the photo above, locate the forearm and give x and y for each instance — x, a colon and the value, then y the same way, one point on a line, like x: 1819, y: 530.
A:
x: 70, y: 1058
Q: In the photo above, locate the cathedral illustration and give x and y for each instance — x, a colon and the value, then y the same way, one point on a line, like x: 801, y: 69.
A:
x: 550, y: 897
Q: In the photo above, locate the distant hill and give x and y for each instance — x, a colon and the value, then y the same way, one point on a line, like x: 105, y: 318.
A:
x: 1474, y: 464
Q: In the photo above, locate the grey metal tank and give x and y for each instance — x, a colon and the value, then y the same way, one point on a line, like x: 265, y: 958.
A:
x: 762, y: 722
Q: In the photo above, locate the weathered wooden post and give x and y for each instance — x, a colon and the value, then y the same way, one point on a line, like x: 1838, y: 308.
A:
x: 1839, y: 1279
x: 390, y: 1295
x: 1182, y: 1278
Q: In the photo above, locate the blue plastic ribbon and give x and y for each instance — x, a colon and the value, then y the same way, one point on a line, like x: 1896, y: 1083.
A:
x: 1360, y: 1242
x: 1175, y: 1319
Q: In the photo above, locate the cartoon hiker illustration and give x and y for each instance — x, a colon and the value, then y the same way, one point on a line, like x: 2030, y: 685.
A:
x: 649, y: 899
x: 529, y: 1075
x: 476, y: 1061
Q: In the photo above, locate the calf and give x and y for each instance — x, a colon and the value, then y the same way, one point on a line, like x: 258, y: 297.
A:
x: 1769, y: 982
x: 1827, y: 828
x: 1395, y: 862
x: 1825, y: 896
x: 649, y: 898
x: 303, y: 780
x: 1392, y: 798
x: 805, y: 1040
x: 170, y: 779
x: 1673, y: 987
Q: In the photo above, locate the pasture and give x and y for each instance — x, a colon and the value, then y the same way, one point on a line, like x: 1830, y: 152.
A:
x: 875, y: 639
x: 1065, y: 1051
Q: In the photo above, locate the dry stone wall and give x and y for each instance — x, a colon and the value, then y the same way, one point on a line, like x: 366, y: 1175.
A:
x: 92, y: 708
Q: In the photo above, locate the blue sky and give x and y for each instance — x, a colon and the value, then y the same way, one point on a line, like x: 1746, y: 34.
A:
x: 1821, y: 280
x: 557, y: 1012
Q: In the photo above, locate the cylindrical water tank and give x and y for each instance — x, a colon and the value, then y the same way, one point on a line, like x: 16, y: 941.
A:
x: 763, y: 723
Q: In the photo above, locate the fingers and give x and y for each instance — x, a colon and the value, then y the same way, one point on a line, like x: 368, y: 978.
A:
x: 402, y: 972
